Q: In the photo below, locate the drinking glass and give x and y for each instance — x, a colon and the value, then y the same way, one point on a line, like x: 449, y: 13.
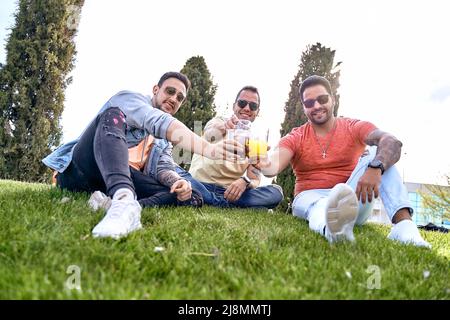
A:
x: 257, y: 144
x: 240, y: 133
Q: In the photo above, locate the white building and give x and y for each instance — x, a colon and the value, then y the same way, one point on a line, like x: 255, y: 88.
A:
x: 421, y: 216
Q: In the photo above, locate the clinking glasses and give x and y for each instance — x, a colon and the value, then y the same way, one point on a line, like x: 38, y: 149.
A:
x: 322, y: 99
x: 171, y: 91
x: 243, y: 103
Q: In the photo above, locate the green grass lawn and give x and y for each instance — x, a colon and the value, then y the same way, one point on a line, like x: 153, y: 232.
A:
x: 207, y: 254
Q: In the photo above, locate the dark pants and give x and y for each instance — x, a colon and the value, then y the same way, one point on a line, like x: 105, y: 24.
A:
x: 100, y: 162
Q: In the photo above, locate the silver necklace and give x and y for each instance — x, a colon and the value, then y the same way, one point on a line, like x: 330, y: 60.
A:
x: 324, y: 150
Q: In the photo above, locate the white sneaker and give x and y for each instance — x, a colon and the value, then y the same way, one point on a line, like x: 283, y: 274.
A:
x: 123, y: 217
x: 341, y: 213
x: 99, y: 200
x: 406, y: 232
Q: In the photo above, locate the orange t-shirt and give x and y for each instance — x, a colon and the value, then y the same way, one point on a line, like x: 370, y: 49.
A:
x: 312, y: 171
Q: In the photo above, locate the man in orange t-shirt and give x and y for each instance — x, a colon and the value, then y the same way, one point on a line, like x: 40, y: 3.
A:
x: 336, y: 180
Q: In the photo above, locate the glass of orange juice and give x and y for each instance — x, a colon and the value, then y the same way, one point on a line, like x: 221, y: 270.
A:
x: 257, y: 144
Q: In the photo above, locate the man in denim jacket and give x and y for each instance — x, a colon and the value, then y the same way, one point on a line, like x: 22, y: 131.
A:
x: 99, y: 159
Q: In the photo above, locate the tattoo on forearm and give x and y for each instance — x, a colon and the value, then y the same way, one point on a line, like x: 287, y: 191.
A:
x: 389, y: 148
x: 168, y: 178
x: 389, y: 151
x: 255, y: 171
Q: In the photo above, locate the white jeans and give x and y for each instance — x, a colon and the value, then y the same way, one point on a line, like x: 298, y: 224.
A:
x: 392, y: 191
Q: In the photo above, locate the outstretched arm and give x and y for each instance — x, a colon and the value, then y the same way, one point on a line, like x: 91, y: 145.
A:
x: 216, y: 129
x: 180, y: 135
x: 276, y: 163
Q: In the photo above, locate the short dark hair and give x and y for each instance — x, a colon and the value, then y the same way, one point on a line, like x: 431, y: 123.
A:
x: 249, y: 88
x: 314, y: 80
x: 177, y: 75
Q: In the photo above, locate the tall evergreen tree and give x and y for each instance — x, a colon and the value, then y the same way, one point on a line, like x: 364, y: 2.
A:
x: 319, y: 60
x: 199, y: 106
x: 40, y: 54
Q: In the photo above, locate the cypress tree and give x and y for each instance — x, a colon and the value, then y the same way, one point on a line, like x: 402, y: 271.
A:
x: 199, y: 106
x: 40, y: 54
x: 319, y: 60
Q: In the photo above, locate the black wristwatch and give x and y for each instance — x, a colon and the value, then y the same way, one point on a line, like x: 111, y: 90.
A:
x: 247, y: 180
x: 376, y: 164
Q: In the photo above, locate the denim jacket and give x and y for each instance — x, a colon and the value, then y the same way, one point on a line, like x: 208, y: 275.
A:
x: 160, y: 158
x: 142, y: 119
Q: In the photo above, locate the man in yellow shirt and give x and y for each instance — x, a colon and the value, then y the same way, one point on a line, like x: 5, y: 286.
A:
x: 227, y: 184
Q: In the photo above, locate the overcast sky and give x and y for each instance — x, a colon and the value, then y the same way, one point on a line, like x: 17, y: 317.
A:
x: 395, y: 56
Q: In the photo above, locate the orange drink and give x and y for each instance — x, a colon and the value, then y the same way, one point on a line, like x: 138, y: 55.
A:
x: 256, y: 148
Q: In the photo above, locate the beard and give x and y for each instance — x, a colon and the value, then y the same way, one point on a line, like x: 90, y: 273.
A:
x: 164, y: 106
x: 325, y: 116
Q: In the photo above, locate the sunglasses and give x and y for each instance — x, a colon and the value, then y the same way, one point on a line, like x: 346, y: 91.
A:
x: 322, y: 99
x: 172, y: 91
x: 243, y: 103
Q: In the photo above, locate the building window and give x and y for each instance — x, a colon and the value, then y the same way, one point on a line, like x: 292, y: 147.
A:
x: 423, y: 216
